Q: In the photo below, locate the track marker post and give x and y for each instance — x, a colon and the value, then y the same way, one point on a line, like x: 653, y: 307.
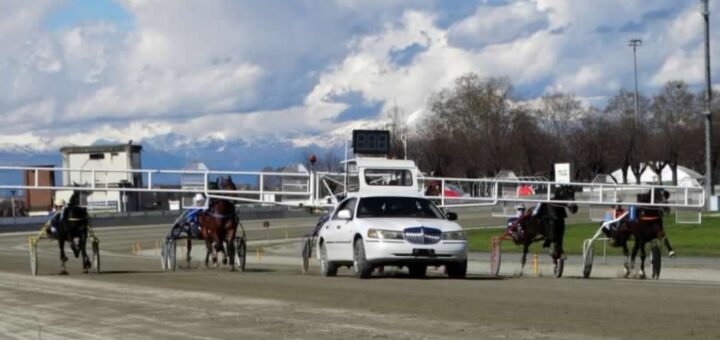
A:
x: 535, y: 264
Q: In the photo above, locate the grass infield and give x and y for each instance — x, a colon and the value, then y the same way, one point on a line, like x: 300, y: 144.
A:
x: 686, y: 239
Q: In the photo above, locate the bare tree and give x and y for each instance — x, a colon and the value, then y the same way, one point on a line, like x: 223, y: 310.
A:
x: 559, y: 115
x: 476, y: 112
x: 677, y: 123
x: 629, y: 139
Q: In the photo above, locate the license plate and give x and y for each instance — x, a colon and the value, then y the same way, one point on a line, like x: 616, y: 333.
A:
x: 424, y: 252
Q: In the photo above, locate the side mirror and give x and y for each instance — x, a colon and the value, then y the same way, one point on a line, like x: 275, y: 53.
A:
x: 344, y: 214
x: 451, y: 216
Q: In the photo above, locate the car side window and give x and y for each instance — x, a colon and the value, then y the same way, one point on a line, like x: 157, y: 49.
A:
x: 348, y: 204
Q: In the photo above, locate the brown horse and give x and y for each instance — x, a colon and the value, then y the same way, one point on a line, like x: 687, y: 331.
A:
x: 219, y: 225
x: 545, y: 222
x: 645, y: 226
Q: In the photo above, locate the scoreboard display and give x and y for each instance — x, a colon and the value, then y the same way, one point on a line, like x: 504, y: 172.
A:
x: 371, y: 142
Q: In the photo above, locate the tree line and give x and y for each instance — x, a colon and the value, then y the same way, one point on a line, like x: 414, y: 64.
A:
x: 480, y: 126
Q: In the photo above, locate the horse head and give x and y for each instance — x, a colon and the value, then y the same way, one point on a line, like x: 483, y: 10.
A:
x: 77, y: 194
x: 226, y: 183
x: 655, y: 195
x: 566, y: 193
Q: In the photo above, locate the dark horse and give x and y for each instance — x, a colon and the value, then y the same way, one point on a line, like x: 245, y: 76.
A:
x: 73, y: 224
x: 546, y: 221
x: 219, y: 225
x: 645, y: 226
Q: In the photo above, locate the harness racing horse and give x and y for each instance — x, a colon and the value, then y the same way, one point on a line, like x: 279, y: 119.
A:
x: 73, y: 225
x: 219, y: 225
x: 646, y: 226
x: 546, y: 221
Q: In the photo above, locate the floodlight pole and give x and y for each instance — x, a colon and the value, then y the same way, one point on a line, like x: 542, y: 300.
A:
x: 709, y: 189
x: 634, y: 43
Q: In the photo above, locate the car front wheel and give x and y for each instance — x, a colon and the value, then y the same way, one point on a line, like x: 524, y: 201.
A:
x: 361, y: 267
x: 457, y: 270
x: 327, y: 268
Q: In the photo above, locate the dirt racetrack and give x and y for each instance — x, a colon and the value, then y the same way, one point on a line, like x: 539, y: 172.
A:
x: 133, y: 299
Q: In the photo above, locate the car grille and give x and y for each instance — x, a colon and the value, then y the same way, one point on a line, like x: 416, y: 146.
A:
x: 423, y: 235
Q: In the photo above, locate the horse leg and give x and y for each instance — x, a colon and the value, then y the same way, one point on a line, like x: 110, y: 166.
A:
x: 642, y: 260
x: 215, y: 254
x: 82, y: 242
x: 671, y: 252
x: 559, y: 236
x: 208, y: 249
x: 231, y: 253
x: 188, y: 246
x: 524, y: 256
x: 74, y: 247
x: 223, y: 250
x: 63, y: 258
x: 635, y: 249
x: 626, y: 265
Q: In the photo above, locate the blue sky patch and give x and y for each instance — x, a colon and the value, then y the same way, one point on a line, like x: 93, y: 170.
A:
x: 77, y: 11
x: 406, y: 55
x: 659, y: 14
x: 359, y: 108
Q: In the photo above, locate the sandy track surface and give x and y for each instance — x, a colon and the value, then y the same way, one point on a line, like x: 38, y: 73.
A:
x: 133, y: 299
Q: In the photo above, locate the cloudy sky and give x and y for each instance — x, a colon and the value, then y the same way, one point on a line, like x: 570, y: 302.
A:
x: 79, y: 71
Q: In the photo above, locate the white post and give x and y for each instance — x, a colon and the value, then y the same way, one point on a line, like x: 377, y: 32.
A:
x: 442, y: 192
x: 205, y: 185
x: 652, y: 195
x: 262, y: 184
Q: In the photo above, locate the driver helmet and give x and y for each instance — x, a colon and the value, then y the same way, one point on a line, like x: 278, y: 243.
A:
x: 199, y: 199
x: 59, y: 202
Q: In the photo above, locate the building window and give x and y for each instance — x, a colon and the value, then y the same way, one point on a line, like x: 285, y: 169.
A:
x: 97, y: 156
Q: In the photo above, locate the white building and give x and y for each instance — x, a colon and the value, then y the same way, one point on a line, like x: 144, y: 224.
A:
x: 91, y: 163
x: 294, y: 184
x: 649, y: 176
x: 193, y: 181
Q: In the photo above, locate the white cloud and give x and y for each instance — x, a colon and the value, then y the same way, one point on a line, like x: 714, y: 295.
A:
x: 490, y: 24
x: 249, y: 69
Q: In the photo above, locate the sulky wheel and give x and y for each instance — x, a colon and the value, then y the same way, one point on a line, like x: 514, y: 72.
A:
x: 33, y: 256
x: 495, y: 256
x: 588, y: 256
x: 163, y: 256
x: 169, y: 255
x: 655, y: 260
x: 306, y: 253
x: 240, y: 253
x: 559, y: 266
x: 96, y: 255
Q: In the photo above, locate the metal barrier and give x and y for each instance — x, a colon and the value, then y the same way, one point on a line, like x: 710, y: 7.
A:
x: 258, y: 187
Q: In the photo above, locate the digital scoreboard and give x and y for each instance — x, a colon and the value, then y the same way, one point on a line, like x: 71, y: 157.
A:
x: 371, y: 142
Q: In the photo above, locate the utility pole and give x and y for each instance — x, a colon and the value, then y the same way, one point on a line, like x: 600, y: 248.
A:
x: 635, y: 43
x: 709, y: 189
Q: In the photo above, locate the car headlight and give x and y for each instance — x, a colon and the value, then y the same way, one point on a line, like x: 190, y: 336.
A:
x: 385, y: 234
x: 453, y: 235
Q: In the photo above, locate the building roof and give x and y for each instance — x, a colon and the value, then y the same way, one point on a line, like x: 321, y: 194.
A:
x: 196, y: 166
x: 376, y: 162
x: 101, y: 148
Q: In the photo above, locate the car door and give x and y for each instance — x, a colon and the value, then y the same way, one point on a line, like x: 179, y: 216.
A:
x: 336, y: 230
